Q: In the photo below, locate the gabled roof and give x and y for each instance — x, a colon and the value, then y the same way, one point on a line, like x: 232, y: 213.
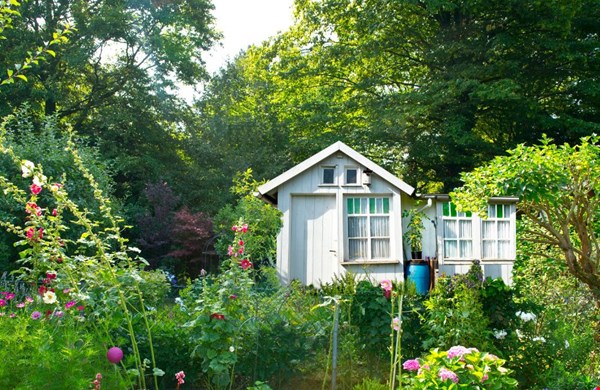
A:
x: 270, y: 187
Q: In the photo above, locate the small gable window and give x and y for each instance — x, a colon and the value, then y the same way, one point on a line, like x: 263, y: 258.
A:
x: 352, y: 175
x: 328, y: 175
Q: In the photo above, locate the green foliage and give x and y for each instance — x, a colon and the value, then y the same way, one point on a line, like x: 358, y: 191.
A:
x: 459, y: 367
x: 264, y: 222
x: 414, y: 229
x: 559, y: 192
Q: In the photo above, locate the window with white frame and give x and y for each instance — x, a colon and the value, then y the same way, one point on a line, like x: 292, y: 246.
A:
x: 327, y: 175
x: 458, y: 232
x: 368, y: 222
x: 496, y: 241
x: 351, y: 176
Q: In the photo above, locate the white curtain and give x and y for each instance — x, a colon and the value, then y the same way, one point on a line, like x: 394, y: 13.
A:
x: 357, y: 249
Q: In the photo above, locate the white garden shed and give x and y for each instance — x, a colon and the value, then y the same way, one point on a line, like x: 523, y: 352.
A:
x: 342, y: 212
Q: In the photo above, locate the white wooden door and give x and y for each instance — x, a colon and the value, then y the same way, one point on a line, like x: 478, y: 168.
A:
x: 314, y: 235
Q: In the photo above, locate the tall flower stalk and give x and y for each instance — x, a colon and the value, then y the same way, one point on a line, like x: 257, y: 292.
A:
x: 396, y: 297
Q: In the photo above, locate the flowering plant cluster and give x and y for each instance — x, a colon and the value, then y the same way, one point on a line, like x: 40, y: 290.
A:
x: 221, y: 310
x: 458, y: 367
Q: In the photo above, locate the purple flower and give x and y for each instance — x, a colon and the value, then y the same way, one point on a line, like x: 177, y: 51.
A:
x: 411, y: 365
x: 36, y: 315
x: 444, y: 374
x: 457, y: 350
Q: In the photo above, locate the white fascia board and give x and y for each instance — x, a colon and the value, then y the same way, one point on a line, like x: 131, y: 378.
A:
x: 322, y: 155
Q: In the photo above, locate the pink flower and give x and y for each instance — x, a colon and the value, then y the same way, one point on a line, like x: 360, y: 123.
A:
x: 2, y: 302
x: 51, y: 275
x: 396, y: 324
x: 230, y: 250
x: 241, y: 243
x: 234, y: 228
x: 10, y: 296
x: 28, y: 299
x: 484, y: 378
x: 36, y: 315
x: 35, y: 189
x: 457, y: 350
x: 245, y: 228
x: 241, y: 251
x: 32, y: 207
x: 386, y: 285
x: 54, y: 212
x: 411, y: 365
x: 21, y: 305
x: 12, y: 315
x: 114, y: 355
x: 180, y: 376
x: 69, y: 305
x: 58, y: 314
x: 444, y: 374
x: 30, y: 233
x: 55, y: 186
x: 245, y: 264
x: 233, y: 296
x: 217, y: 316
x: 80, y: 307
x: 387, y: 294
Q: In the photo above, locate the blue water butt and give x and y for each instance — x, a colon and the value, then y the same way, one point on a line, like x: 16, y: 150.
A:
x: 418, y: 273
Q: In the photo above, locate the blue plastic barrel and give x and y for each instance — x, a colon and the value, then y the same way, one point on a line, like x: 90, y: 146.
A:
x: 418, y: 273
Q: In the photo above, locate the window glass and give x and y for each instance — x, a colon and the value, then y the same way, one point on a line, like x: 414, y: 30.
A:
x: 368, y: 225
x: 351, y: 176
x: 328, y: 175
x: 457, y: 232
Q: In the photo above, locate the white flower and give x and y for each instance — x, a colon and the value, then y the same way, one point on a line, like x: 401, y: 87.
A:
x: 500, y: 334
x: 232, y: 349
x: 39, y: 180
x: 526, y: 316
x: 49, y: 297
x: 27, y: 168
x: 567, y: 345
x: 539, y: 338
x: 519, y: 333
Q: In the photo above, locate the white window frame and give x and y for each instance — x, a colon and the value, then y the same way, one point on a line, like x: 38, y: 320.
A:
x: 457, y: 218
x: 358, y: 176
x: 322, y: 176
x: 369, y: 237
x: 477, y: 234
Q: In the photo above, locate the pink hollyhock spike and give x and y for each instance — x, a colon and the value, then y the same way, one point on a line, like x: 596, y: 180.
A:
x: 114, y: 355
x: 234, y: 228
x: 245, y: 228
x: 180, y: 376
x: 245, y: 264
x: 35, y: 189
x: 386, y: 285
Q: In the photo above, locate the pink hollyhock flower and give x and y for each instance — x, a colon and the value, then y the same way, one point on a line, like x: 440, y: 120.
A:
x: 21, y: 305
x: 180, y: 376
x: 230, y: 250
x: 386, y: 285
x: 42, y: 290
x: 387, y: 294
x: 36, y: 315
x: 32, y: 207
x: 444, y: 374
x: 217, y: 316
x: 396, y: 324
x: 69, y: 305
x: 457, y: 350
x: 30, y: 233
x: 241, y: 251
x: 55, y: 187
x: 51, y: 275
x: 484, y: 378
x: 2, y: 302
x: 114, y: 355
x: 234, y: 228
x: 245, y: 264
x: 245, y: 228
x: 54, y: 212
x: 35, y: 189
x: 241, y: 242
x: 411, y: 365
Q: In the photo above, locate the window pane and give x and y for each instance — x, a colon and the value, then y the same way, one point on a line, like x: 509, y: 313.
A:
x: 450, y: 229
x: 465, y: 229
x: 372, y: 205
x: 386, y: 205
x: 380, y: 248
x: 351, y: 175
x: 452, y: 209
x: 380, y: 227
x: 357, y: 227
x: 446, y: 209
x: 451, y: 248
x: 363, y: 205
x: 350, y: 205
x: 489, y: 229
x: 504, y: 229
x: 499, y: 211
x: 357, y: 206
x: 357, y: 249
x: 504, y: 249
x: 489, y: 249
x: 466, y: 248
x: 328, y: 175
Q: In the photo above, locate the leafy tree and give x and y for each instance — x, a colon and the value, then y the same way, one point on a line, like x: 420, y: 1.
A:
x: 559, y: 192
x: 444, y: 85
